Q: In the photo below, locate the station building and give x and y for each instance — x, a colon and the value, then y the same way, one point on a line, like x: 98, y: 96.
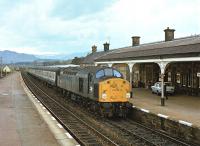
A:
x: 6, y: 69
x: 175, y: 60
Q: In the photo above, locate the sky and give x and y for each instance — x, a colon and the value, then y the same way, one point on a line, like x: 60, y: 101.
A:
x: 53, y: 27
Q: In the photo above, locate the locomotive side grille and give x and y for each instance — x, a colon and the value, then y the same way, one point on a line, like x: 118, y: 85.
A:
x: 96, y: 90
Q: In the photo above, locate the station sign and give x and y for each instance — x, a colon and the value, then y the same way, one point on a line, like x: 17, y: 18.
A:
x: 198, y: 74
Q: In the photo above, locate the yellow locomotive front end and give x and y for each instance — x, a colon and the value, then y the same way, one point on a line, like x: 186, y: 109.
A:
x: 114, y: 90
x: 114, y: 94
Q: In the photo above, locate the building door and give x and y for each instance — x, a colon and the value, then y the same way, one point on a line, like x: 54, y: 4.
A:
x: 149, y: 75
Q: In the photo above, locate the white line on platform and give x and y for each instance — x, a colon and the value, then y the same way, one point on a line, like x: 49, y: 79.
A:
x: 38, y: 101
x: 185, y: 123
x: 68, y: 135
x: 35, y: 98
x: 78, y: 145
x: 163, y: 116
x: 43, y: 107
x: 144, y: 110
x: 4, y: 94
x: 41, y: 104
x: 48, y: 113
x: 53, y: 118
x: 60, y: 126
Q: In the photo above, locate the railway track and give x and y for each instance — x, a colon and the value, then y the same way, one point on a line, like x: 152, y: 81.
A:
x: 80, y: 130
x: 138, y: 134
x: 117, y: 131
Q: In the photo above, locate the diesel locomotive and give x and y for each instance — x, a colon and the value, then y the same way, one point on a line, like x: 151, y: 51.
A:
x: 101, y: 89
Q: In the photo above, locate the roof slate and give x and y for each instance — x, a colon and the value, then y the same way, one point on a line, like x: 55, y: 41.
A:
x: 177, y: 46
x: 90, y: 59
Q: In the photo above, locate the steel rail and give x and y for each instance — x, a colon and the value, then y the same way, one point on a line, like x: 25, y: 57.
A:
x: 108, y: 141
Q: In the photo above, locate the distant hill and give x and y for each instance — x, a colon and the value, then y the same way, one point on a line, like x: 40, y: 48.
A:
x: 14, y: 57
x: 62, y: 56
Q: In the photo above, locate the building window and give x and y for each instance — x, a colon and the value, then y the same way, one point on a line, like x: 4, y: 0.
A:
x: 199, y: 81
x: 184, y: 80
x: 123, y: 70
x: 136, y: 76
x: 178, y: 78
x: 189, y: 78
x: 198, y: 76
x: 169, y: 77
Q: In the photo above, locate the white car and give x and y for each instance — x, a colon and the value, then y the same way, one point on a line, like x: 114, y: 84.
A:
x: 156, y: 88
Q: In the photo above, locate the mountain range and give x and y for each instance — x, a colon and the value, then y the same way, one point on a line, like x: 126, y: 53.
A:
x: 9, y: 57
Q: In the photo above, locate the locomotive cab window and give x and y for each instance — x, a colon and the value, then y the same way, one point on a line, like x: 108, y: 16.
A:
x: 117, y: 74
x: 100, y: 74
x: 108, y: 72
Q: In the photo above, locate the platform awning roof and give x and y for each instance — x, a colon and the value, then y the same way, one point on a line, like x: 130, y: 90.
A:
x: 182, y: 47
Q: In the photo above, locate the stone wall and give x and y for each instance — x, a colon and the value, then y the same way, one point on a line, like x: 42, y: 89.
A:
x: 170, y: 127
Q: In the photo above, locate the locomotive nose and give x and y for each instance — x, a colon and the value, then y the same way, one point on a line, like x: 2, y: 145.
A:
x: 114, y: 90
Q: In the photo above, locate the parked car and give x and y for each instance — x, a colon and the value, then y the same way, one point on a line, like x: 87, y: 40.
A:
x: 156, y: 88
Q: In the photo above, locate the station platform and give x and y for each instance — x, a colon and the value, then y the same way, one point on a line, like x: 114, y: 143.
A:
x: 20, y: 122
x: 177, y: 107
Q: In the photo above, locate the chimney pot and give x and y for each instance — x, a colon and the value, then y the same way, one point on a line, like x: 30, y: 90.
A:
x: 169, y: 34
x: 94, y: 49
x: 106, y: 46
x: 135, y: 40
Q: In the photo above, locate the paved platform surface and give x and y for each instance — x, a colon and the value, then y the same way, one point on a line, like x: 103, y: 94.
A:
x: 20, y: 123
x: 177, y: 107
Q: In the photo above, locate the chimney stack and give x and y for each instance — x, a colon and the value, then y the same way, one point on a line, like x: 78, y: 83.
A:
x: 94, y: 49
x: 169, y: 34
x: 135, y: 40
x: 106, y: 46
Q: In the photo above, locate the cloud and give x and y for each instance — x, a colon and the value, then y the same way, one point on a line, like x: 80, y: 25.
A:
x: 57, y: 27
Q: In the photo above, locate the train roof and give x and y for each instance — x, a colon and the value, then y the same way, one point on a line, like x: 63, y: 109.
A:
x: 46, y: 68
x: 71, y: 70
x: 89, y: 69
x: 64, y: 66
